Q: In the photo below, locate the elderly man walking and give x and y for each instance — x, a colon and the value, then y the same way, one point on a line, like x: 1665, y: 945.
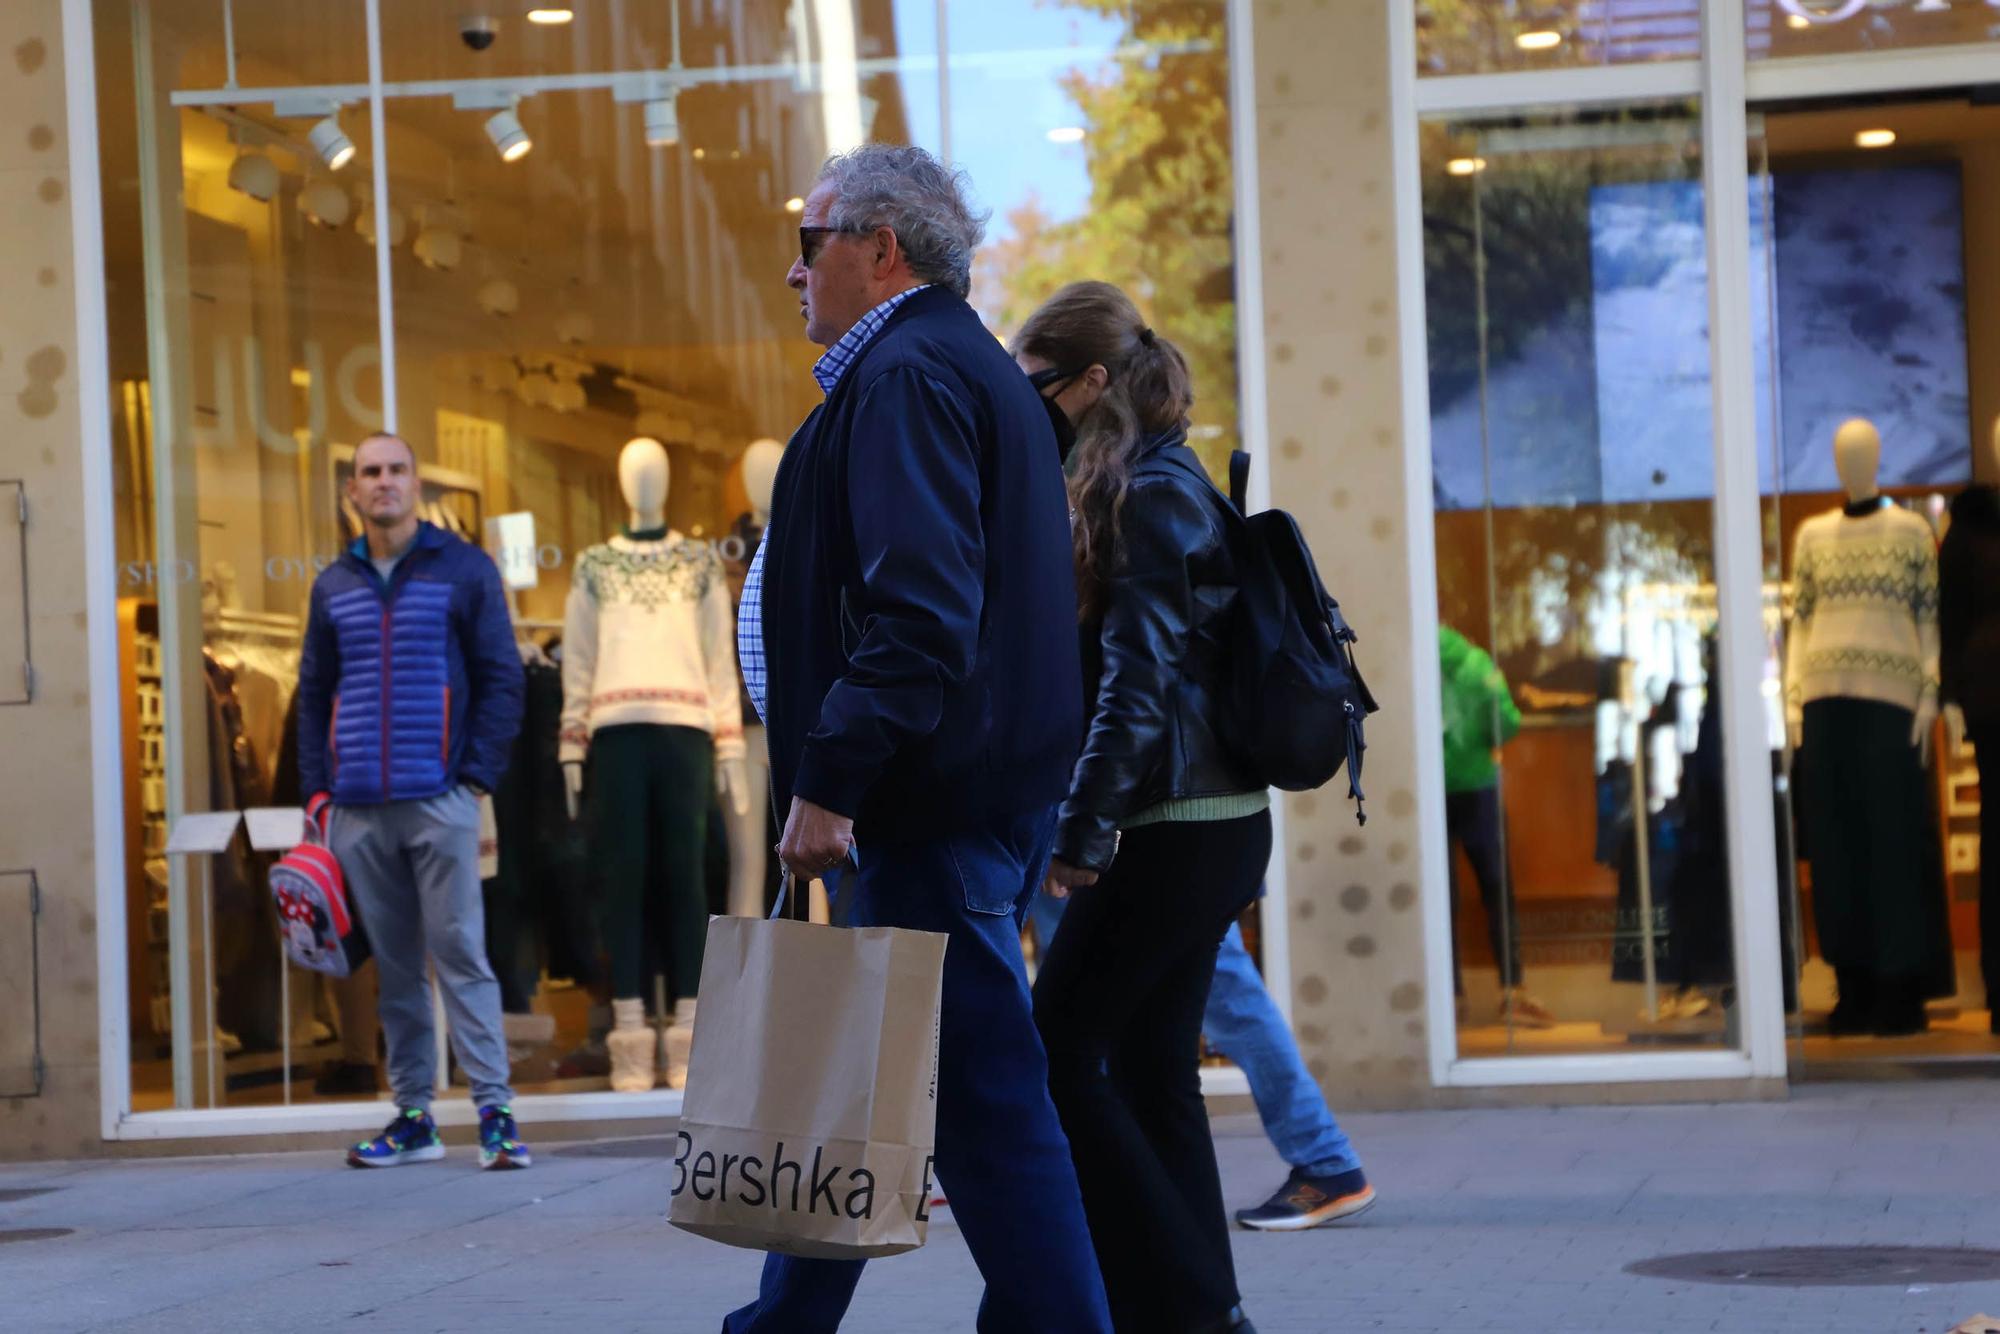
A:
x: 924, y: 701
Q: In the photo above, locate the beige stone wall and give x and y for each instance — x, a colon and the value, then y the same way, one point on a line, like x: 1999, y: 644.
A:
x: 45, y: 780
x: 1326, y: 196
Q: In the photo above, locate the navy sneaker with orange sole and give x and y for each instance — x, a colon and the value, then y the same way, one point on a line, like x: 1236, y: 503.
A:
x: 1306, y: 1202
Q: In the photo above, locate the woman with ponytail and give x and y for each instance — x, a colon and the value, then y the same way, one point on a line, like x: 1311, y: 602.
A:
x: 1162, y: 837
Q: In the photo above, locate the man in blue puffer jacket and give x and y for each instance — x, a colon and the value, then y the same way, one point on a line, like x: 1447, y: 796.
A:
x: 409, y: 698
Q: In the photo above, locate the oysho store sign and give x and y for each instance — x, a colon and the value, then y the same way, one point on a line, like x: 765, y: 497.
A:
x: 1839, y: 11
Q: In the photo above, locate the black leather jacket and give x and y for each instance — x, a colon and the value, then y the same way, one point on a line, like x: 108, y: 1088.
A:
x: 1154, y: 662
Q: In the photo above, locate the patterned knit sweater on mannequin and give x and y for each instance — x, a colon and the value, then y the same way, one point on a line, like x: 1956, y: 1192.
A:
x: 650, y: 637
x: 1864, y: 610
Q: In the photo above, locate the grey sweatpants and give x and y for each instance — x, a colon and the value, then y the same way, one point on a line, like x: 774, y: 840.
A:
x: 413, y: 869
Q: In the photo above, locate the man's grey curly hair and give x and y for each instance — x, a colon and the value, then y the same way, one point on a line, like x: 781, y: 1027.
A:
x: 923, y: 201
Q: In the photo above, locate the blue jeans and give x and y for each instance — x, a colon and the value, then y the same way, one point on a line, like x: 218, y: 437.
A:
x: 1001, y: 1154
x: 1242, y: 1021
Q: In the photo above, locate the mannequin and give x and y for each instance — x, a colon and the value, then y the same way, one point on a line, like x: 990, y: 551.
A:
x: 651, y: 696
x: 749, y: 848
x: 1861, y: 690
x: 1969, y: 667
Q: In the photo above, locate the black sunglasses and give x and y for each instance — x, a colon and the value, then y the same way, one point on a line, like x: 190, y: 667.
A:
x: 813, y: 239
x: 1053, y: 375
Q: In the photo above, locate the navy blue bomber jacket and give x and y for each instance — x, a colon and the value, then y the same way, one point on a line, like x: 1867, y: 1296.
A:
x: 919, y: 599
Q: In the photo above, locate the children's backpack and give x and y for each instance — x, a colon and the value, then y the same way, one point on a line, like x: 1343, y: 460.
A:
x: 319, y: 923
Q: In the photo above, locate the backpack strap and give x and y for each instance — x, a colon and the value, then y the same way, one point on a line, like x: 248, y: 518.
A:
x: 1239, y: 479
x: 319, y: 816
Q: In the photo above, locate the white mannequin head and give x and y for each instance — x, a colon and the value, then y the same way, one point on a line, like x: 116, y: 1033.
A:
x: 1857, y: 457
x: 760, y: 475
x: 642, y: 477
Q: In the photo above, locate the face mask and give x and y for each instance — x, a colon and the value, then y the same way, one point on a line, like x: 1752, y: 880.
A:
x: 1064, y: 427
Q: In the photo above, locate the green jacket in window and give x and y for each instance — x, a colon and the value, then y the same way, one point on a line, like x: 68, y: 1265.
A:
x: 1479, y: 713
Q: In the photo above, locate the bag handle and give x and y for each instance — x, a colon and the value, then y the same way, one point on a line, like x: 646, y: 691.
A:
x: 795, y: 904
x: 789, y: 898
x: 1239, y: 480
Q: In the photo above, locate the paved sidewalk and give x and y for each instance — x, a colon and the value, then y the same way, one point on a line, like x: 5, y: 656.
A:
x: 1492, y: 1220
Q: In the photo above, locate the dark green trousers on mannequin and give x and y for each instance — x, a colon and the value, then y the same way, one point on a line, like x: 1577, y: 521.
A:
x: 649, y: 791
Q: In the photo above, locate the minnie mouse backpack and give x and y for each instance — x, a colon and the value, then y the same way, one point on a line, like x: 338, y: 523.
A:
x: 322, y: 930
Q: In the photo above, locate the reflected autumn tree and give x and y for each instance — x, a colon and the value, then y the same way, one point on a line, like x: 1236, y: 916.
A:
x: 1158, y: 222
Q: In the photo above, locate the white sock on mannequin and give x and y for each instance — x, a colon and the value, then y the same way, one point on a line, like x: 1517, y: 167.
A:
x: 677, y: 1042
x: 632, y: 1047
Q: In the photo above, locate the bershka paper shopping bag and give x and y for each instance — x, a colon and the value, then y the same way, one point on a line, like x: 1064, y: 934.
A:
x: 810, y: 1114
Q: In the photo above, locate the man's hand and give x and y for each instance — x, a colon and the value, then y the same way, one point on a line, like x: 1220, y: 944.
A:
x: 1063, y: 877
x: 816, y: 840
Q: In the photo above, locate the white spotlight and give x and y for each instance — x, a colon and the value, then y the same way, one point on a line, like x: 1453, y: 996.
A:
x: 255, y: 175
x: 437, y: 248
x: 324, y: 203
x: 364, y: 223
x: 510, y: 140
x: 663, y: 121
x: 331, y: 143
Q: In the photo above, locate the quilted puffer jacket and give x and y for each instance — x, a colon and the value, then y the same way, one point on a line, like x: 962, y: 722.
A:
x: 411, y: 687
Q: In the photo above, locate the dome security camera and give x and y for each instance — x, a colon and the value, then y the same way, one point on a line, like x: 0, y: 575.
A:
x: 479, y: 31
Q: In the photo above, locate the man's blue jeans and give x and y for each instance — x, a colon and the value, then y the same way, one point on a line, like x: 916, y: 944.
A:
x: 1002, y: 1157
x: 1242, y: 1021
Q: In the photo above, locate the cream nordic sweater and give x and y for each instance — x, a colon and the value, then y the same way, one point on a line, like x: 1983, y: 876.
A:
x: 649, y: 637
x: 1864, y: 611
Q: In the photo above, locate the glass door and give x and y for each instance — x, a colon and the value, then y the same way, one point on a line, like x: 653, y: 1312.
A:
x: 1574, y: 485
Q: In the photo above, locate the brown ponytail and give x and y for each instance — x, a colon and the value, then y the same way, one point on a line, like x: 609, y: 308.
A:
x: 1150, y: 391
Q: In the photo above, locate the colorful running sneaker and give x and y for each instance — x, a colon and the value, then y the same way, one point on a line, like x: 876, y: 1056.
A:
x: 411, y: 1138
x: 1304, y: 1202
x: 500, y: 1146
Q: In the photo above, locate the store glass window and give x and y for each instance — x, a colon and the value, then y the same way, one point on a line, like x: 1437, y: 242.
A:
x: 1782, y: 28
x: 1567, y: 300
x: 1495, y: 36
x: 1870, y: 268
x: 588, y: 228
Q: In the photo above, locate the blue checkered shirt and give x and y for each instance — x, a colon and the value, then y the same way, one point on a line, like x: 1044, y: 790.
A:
x: 750, y: 609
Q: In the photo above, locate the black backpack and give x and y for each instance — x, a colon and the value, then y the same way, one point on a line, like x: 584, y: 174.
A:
x: 1295, y: 700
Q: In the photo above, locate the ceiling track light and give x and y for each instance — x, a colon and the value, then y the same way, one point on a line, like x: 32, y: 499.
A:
x: 331, y: 143
x: 255, y: 175
x: 509, y: 136
x: 663, y: 121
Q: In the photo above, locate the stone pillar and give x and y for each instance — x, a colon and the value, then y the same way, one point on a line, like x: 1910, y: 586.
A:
x: 1326, y: 197
x: 45, y: 781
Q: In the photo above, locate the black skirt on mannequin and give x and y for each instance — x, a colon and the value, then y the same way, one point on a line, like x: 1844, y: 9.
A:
x: 1863, y: 810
